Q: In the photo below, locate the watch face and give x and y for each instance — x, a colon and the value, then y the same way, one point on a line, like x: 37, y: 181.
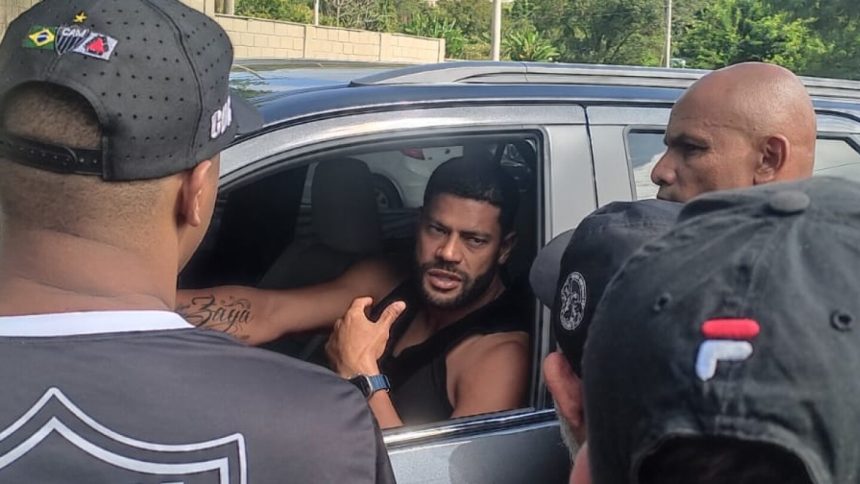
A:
x: 363, y: 384
x: 370, y: 384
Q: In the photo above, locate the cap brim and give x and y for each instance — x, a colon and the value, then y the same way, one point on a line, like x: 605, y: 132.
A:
x: 543, y: 276
x: 246, y: 116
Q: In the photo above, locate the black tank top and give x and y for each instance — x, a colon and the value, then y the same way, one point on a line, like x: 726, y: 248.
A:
x: 418, y: 375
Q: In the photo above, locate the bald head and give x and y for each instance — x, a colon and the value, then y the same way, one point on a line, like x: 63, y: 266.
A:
x: 740, y: 126
x: 763, y: 100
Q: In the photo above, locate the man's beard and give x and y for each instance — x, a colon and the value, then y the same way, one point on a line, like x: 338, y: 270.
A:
x: 472, y: 289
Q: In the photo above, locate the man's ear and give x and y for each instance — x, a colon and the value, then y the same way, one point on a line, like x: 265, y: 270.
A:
x: 566, y: 389
x: 776, y: 151
x: 508, y: 244
x: 194, y: 184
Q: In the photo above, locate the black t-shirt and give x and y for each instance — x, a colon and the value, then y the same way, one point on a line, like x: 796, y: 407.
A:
x: 419, y: 374
x: 142, y: 397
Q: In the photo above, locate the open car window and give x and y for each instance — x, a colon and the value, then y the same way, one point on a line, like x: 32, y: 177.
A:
x: 312, y: 218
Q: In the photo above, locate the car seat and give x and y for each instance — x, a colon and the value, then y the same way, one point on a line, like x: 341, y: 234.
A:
x: 345, y: 228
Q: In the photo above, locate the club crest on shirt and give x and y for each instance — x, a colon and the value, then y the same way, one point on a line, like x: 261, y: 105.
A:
x: 70, y: 37
x: 54, y: 427
x: 573, y: 297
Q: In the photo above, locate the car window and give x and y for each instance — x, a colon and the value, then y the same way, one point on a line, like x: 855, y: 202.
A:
x: 317, y: 216
x: 399, y: 176
x: 644, y: 149
x: 837, y: 157
x: 834, y: 156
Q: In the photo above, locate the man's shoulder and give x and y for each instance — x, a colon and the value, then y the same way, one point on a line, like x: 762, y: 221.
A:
x: 373, y: 276
x: 509, y: 346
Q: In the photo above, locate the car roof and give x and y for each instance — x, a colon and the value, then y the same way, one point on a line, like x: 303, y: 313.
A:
x: 255, y: 77
x: 296, y: 91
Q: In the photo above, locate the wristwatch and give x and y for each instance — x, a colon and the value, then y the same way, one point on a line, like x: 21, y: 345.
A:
x: 370, y: 384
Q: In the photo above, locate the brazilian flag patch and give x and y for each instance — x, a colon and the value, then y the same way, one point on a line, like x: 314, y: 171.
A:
x: 40, y: 37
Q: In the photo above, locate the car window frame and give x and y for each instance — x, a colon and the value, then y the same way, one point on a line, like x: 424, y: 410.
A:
x: 355, y: 130
x: 651, y: 129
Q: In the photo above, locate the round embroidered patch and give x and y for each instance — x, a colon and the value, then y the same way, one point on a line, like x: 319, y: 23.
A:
x: 573, y: 296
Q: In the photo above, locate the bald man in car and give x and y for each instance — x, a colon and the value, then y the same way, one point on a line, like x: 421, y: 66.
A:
x: 740, y: 126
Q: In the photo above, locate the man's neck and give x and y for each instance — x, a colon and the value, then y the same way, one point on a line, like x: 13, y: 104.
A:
x: 44, y: 271
x: 437, y: 318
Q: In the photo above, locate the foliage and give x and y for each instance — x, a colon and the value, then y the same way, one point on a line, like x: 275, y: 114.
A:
x: 289, y: 10
x: 473, y: 17
x: 814, y: 37
x: 356, y: 14
x: 528, y: 46
x: 434, y: 25
x: 838, y: 24
x: 397, y: 13
x: 730, y: 31
x: 612, y: 31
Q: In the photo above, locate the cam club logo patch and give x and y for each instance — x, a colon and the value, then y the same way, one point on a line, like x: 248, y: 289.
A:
x: 69, y: 37
x: 727, y: 340
x: 573, y: 297
x: 55, y: 428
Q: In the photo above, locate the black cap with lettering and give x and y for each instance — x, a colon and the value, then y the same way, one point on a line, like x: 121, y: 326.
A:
x: 740, y: 323
x: 570, y: 274
x: 156, y: 73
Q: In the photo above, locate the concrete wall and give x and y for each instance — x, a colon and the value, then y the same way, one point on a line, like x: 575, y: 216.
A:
x: 269, y: 39
x: 254, y: 38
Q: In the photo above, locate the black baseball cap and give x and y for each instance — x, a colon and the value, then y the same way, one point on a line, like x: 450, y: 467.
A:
x: 740, y: 323
x: 570, y: 274
x: 156, y: 73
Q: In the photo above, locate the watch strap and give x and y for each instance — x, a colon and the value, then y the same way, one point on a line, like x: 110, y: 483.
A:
x: 370, y: 384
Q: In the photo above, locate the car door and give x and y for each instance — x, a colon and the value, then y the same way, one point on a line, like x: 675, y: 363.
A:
x: 516, y: 446
x: 628, y: 141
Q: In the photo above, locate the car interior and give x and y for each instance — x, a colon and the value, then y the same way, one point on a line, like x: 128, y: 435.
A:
x: 309, y: 220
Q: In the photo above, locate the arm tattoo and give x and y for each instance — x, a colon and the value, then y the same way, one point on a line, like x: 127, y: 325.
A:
x: 227, y: 314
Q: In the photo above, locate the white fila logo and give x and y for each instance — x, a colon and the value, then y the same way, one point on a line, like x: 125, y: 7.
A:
x: 713, y: 351
x: 221, y: 120
x: 728, y: 340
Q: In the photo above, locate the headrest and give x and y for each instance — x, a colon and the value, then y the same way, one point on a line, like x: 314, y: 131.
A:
x: 343, y: 206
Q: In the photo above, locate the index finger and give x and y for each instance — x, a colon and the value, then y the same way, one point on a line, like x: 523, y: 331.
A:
x: 360, y: 304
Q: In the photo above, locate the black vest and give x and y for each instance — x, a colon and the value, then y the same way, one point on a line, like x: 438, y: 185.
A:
x: 418, y: 375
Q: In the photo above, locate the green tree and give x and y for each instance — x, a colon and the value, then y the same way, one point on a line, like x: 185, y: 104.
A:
x: 289, y: 10
x: 730, y: 31
x: 433, y: 25
x: 472, y: 17
x: 838, y: 24
x: 354, y: 14
x: 528, y: 45
x: 612, y: 31
x: 395, y: 14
